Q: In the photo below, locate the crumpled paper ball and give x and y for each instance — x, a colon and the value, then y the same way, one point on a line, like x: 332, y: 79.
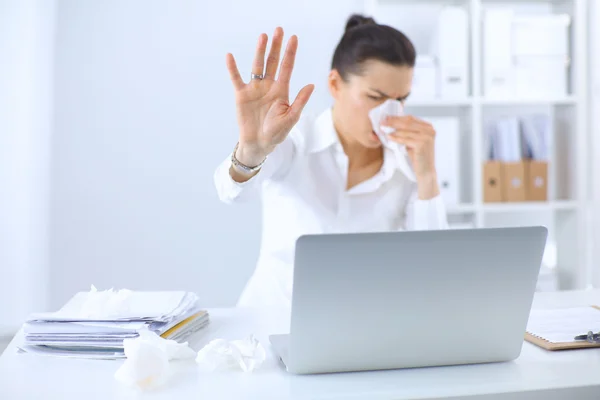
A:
x: 218, y: 355
x: 148, y: 356
x: 105, y: 303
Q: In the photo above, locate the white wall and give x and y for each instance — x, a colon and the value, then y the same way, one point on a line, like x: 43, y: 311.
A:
x: 26, y: 61
x: 144, y: 113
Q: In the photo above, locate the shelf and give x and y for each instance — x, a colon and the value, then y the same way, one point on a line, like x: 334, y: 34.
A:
x: 439, y: 102
x: 469, y: 208
x: 509, y: 2
x: 524, y: 101
x: 569, y: 159
x: 465, y: 208
x: 469, y: 101
x: 530, y: 206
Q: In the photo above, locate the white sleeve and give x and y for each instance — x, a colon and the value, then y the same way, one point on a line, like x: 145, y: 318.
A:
x: 275, y: 166
x: 426, y: 214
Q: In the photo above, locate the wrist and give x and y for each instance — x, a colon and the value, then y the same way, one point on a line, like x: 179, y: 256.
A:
x: 250, y: 156
x: 427, y: 187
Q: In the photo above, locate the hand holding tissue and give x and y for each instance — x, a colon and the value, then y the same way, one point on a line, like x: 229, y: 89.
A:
x: 407, y: 135
x: 378, y: 116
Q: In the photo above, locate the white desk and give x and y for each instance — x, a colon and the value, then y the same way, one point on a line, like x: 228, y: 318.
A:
x: 536, y: 374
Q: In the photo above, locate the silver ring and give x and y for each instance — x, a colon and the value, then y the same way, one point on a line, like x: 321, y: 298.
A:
x: 257, y: 76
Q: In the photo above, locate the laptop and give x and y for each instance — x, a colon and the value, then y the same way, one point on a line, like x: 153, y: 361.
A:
x: 374, y: 301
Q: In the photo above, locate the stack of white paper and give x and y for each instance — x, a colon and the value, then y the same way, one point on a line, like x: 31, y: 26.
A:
x: 94, y: 324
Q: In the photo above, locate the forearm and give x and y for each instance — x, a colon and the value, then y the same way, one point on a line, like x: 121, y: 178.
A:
x: 428, y: 187
x: 234, y: 185
x: 249, y: 158
x: 426, y: 214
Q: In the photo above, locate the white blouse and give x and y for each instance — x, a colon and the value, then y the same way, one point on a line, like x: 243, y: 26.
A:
x: 303, y: 188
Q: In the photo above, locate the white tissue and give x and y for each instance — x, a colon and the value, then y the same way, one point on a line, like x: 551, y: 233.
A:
x: 246, y: 354
x: 148, y: 357
x: 105, y: 304
x: 378, y: 114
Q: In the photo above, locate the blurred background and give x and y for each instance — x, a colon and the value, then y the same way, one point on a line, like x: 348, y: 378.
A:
x: 114, y: 115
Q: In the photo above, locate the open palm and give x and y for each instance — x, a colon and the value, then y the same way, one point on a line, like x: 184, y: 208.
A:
x: 264, y: 113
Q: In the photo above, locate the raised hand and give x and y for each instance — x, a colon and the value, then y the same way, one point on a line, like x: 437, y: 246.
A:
x: 264, y: 113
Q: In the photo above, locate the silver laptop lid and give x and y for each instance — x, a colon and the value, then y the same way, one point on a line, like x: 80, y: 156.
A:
x: 408, y: 299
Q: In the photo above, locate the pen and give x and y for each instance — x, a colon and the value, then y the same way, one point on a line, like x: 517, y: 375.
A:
x: 590, y: 337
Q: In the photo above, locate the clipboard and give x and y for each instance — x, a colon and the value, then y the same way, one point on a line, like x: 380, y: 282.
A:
x: 543, y: 343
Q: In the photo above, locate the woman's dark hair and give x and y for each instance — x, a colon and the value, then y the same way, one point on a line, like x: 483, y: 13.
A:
x: 364, y: 40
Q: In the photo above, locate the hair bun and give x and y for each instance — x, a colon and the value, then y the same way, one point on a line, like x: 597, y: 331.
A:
x: 358, y: 20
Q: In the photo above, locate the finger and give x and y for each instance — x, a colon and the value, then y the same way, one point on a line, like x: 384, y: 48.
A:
x: 287, y: 65
x: 301, y: 100
x: 399, y: 123
x: 406, y: 135
x: 274, y: 53
x: 258, y: 66
x: 409, y: 123
x: 234, y: 73
x: 408, y: 142
x: 423, y: 126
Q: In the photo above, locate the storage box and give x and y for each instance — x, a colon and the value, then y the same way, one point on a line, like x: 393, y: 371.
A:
x: 492, y: 179
x: 525, y: 55
x: 537, y: 180
x: 541, y: 76
x: 542, y: 35
x: 515, y: 182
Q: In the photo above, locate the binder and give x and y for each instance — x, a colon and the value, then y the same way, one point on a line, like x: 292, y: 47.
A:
x: 498, y: 71
x: 537, y: 135
x: 451, y: 45
x: 425, y: 84
x: 447, y: 159
x: 567, y: 345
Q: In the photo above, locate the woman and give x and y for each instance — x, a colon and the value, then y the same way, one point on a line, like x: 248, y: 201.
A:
x: 330, y: 174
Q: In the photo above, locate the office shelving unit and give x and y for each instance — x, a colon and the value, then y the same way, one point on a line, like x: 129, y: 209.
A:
x: 594, y: 145
x: 566, y: 211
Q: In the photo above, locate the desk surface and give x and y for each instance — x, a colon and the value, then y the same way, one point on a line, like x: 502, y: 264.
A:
x: 568, y: 374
